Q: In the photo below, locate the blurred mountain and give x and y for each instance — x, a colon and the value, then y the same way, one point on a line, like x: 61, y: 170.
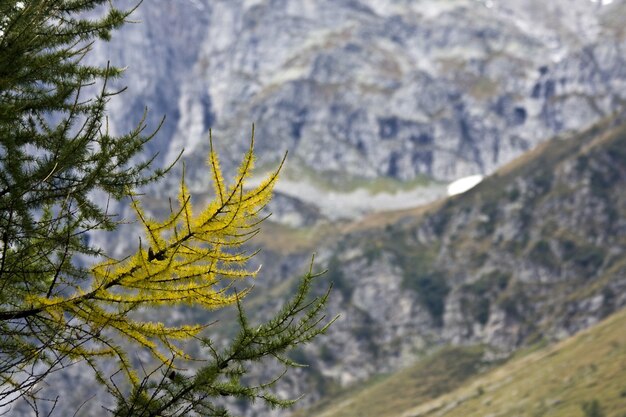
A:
x: 369, y: 89
x: 536, y: 252
x: 382, y: 103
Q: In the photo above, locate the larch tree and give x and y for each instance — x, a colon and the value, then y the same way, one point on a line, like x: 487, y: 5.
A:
x: 60, y: 167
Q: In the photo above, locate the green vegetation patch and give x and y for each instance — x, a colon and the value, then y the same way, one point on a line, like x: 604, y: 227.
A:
x: 587, y: 257
x: 432, y: 289
x: 422, y: 276
x: 476, y: 297
x: 514, y: 301
x: 592, y: 408
x: 542, y: 254
x: 336, y: 276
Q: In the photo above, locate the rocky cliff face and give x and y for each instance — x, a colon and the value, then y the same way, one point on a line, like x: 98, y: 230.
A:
x: 369, y: 88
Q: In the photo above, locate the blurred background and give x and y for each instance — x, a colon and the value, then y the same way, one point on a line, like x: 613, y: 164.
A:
x: 458, y: 166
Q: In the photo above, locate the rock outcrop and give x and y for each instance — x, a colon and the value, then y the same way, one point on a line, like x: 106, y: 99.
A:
x: 535, y: 252
x: 368, y: 88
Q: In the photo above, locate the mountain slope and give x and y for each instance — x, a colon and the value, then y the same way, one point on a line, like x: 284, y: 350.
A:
x: 535, y: 252
x: 553, y: 381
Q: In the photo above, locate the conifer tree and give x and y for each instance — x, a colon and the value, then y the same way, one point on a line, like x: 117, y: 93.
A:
x: 59, y: 169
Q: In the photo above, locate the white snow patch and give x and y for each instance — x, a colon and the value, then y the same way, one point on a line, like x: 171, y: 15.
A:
x: 463, y: 184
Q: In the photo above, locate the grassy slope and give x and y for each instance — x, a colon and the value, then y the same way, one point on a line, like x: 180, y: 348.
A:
x: 552, y: 381
x: 439, y: 373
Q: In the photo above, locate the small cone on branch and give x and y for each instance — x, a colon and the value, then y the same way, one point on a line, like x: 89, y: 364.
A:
x: 159, y: 256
